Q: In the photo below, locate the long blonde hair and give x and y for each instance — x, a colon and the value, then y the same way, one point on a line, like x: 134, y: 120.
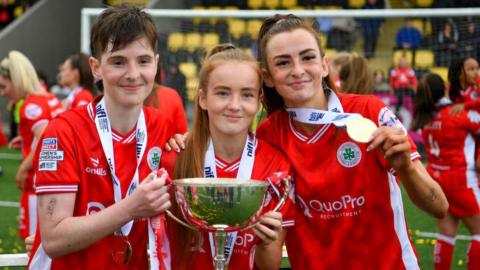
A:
x: 21, y: 72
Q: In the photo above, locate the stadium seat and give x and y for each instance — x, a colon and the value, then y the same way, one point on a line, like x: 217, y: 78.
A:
x: 287, y: 4
x: 424, y: 3
x: 197, y: 20
x: 175, y: 41
x: 440, y: 71
x: 193, y: 41
x: 425, y: 27
x: 253, y: 26
x: 254, y: 4
x: 209, y: 40
x: 296, y: 8
x: 192, y: 85
x: 188, y: 69
x: 356, y: 3
x: 398, y: 53
x: 272, y: 4
x: 213, y: 20
x: 236, y: 27
x: 424, y: 59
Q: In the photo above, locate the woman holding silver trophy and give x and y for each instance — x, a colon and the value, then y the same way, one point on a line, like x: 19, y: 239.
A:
x: 220, y: 144
x: 347, y: 171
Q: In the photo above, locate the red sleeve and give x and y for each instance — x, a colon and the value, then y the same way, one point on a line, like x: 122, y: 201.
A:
x: 471, y: 121
x: 472, y: 105
x: 57, y: 169
x: 82, y: 98
x: 34, y: 113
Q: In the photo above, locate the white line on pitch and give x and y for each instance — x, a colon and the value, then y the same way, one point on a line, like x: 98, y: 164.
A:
x: 10, y: 156
x: 9, y: 204
x: 435, y: 235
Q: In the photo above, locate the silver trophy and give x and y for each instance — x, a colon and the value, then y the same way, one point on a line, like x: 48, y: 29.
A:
x: 222, y: 205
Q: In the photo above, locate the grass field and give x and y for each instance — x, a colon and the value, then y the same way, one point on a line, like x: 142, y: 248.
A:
x: 10, y: 243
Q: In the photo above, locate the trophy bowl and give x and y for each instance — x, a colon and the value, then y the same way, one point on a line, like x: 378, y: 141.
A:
x: 221, y: 206
x: 209, y: 202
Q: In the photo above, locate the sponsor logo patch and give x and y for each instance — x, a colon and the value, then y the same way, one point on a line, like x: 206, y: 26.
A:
x: 47, y: 166
x: 349, y: 154
x: 153, y: 157
x: 33, y: 111
x: 49, y: 144
x: 47, y: 155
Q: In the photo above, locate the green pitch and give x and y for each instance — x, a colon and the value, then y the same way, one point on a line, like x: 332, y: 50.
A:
x: 11, y: 243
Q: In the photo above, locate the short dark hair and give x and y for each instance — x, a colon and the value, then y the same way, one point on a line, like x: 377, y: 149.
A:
x: 121, y: 25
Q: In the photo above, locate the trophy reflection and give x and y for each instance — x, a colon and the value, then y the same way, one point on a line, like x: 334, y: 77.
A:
x: 222, y: 205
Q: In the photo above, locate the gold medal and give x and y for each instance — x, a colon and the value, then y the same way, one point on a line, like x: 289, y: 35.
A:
x: 121, y: 250
x: 360, y: 129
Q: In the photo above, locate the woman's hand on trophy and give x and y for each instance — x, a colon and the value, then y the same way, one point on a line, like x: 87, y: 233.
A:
x: 150, y: 198
x: 177, y: 142
x: 269, y: 227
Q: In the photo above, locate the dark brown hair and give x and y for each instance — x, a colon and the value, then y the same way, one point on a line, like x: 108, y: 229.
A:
x: 272, y: 26
x: 430, y: 90
x: 456, y: 77
x: 79, y: 61
x: 120, y: 25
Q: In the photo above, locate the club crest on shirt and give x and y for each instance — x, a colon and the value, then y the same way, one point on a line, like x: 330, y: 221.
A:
x: 33, y: 111
x: 153, y: 158
x: 349, y: 154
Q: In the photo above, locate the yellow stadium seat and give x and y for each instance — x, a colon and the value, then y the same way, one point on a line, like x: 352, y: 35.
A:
x: 424, y: 59
x: 176, y: 40
x: 398, y: 53
x: 193, y: 41
x: 440, y: 71
x: 356, y: 3
x: 330, y: 52
x: 323, y: 40
x: 197, y: 20
x: 214, y: 20
x: 253, y: 26
x: 272, y: 4
x: 209, y: 40
x: 188, y: 69
x: 192, y: 85
x: 424, y: 3
x: 255, y: 4
x: 296, y: 8
x: 288, y: 3
x: 236, y: 27
x: 425, y: 27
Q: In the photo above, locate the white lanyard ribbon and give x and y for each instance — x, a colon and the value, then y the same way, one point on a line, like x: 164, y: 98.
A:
x: 104, y: 130
x: 244, y: 172
x: 334, y: 115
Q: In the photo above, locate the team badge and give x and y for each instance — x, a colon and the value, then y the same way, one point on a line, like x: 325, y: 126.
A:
x: 153, y: 158
x: 349, y: 154
x: 33, y: 111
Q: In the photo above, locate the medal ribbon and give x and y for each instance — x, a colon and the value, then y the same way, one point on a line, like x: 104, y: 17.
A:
x: 104, y: 130
x: 244, y: 172
x: 334, y: 114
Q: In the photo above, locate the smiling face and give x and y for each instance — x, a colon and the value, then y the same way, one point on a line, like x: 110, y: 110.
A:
x: 296, y: 69
x: 231, y: 98
x: 470, y: 72
x: 128, y: 73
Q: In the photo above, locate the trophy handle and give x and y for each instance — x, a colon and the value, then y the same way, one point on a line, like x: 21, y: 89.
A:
x: 171, y: 215
x: 286, y: 183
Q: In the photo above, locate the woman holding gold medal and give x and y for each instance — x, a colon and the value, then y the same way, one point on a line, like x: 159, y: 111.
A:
x: 450, y: 144
x: 95, y: 186
x: 221, y: 145
x: 349, y: 205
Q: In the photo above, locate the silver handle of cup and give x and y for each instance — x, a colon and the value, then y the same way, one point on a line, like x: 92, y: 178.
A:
x: 286, y: 183
x: 171, y: 215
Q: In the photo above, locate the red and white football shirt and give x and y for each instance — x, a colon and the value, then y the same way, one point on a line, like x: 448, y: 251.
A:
x: 170, y: 104
x: 349, y: 205
x: 267, y: 161
x: 78, y: 97
x: 450, y: 146
x: 70, y: 159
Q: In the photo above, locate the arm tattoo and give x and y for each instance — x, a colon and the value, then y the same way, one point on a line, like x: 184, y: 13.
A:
x: 432, y: 196
x: 51, y: 206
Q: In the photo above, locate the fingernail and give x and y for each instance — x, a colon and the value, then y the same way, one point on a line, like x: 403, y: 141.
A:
x: 177, y: 150
x: 369, y: 148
